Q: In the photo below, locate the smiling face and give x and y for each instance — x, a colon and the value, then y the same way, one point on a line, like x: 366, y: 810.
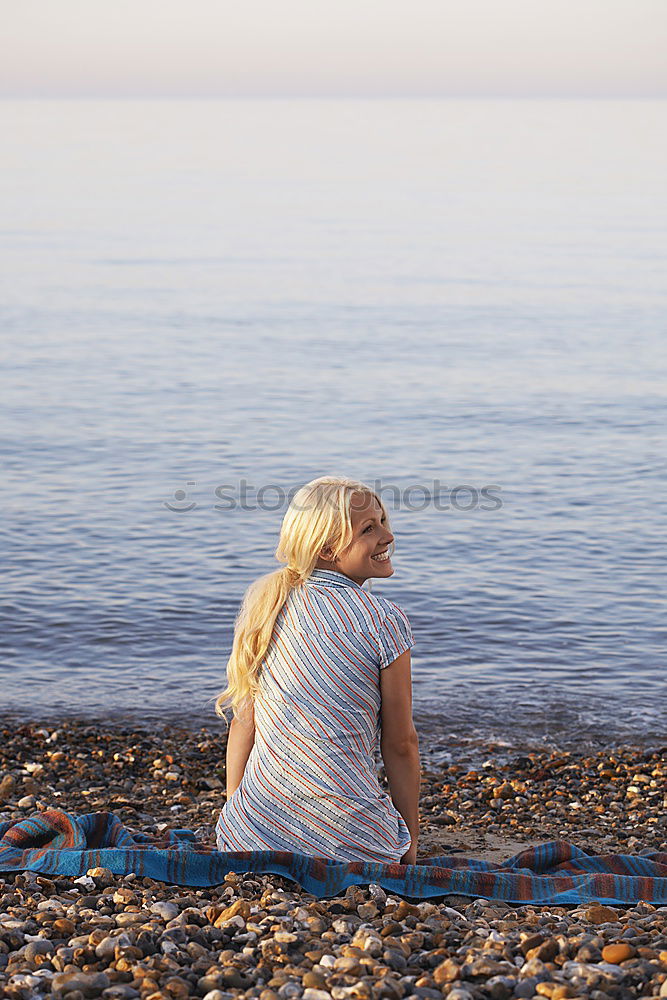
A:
x: 370, y: 539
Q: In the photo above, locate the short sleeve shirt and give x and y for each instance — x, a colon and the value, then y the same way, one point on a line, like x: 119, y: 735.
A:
x: 311, y: 782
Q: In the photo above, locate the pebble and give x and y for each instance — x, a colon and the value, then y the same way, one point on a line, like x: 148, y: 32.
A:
x: 90, y: 984
x: 617, y: 953
x: 165, y: 910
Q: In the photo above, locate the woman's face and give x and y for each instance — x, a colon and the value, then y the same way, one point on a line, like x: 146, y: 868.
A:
x: 370, y: 538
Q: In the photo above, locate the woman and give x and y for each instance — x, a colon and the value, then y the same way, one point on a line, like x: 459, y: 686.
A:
x: 319, y: 681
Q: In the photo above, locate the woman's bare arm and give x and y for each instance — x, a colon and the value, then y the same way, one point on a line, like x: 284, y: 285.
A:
x: 240, y: 742
x: 399, y: 744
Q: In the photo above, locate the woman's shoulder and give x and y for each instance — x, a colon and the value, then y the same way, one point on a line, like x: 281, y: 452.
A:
x: 384, y: 607
x: 395, y: 634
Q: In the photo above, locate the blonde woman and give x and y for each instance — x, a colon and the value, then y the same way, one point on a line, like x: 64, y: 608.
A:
x: 319, y: 682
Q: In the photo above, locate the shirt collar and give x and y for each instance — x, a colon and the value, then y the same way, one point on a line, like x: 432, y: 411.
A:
x: 332, y: 576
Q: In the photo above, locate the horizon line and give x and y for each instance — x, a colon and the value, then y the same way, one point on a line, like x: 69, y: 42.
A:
x: 333, y: 97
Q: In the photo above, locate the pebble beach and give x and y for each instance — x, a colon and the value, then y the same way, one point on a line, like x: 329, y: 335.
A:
x: 102, y: 935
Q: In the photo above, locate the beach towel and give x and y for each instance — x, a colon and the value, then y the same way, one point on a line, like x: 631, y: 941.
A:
x: 61, y: 843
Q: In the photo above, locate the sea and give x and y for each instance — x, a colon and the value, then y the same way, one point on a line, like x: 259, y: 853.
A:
x: 207, y: 303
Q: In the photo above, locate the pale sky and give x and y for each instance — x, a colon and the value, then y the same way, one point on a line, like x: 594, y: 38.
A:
x: 330, y: 48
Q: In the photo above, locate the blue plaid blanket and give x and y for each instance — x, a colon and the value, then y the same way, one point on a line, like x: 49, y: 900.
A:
x: 60, y: 843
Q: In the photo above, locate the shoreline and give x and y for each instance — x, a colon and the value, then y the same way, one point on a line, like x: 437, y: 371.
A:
x: 125, y: 937
x: 487, y: 795
x: 438, y: 745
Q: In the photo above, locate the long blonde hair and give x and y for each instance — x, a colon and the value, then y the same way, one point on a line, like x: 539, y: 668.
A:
x: 318, y: 516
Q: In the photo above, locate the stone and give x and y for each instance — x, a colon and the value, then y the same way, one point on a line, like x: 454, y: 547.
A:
x: 405, y: 909
x: 85, y: 881
x: 64, y: 927
x: 286, y: 938
x: 619, y: 952
x: 314, y: 980
x: 534, y: 968
x: 89, y: 984
x: 545, y: 952
x: 219, y: 916
x: 349, y: 965
x: 289, y: 990
x: 124, y: 896
x: 6, y: 787
x: 42, y: 946
x: 177, y: 987
x: 369, y: 940
x: 446, y: 972
x: 615, y: 971
x: 588, y: 953
x: 395, y: 959
x: 600, y: 914
x: 103, y: 877
x: 234, y: 978
x: 377, y: 893
x: 387, y: 989
x: 530, y: 943
x: 504, y: 791
x: 485, y: 967
x: 500, y: 987
x: 168, y: 911
x: 555, y: 991
x: 526, y: 988
x: 390, y: 929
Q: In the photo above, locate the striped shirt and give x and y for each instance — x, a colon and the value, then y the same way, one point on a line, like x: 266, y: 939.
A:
x: 311, y: 784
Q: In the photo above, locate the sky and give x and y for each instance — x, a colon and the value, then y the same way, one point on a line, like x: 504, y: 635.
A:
x: 333, y: 48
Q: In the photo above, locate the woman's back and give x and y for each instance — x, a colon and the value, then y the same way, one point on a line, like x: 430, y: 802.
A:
x: 311, y: 783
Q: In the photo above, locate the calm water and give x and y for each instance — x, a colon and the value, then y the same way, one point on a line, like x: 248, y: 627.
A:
x: 469, y: 293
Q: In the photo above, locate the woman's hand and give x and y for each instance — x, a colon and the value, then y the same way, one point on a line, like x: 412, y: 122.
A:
x: 410, y: 856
